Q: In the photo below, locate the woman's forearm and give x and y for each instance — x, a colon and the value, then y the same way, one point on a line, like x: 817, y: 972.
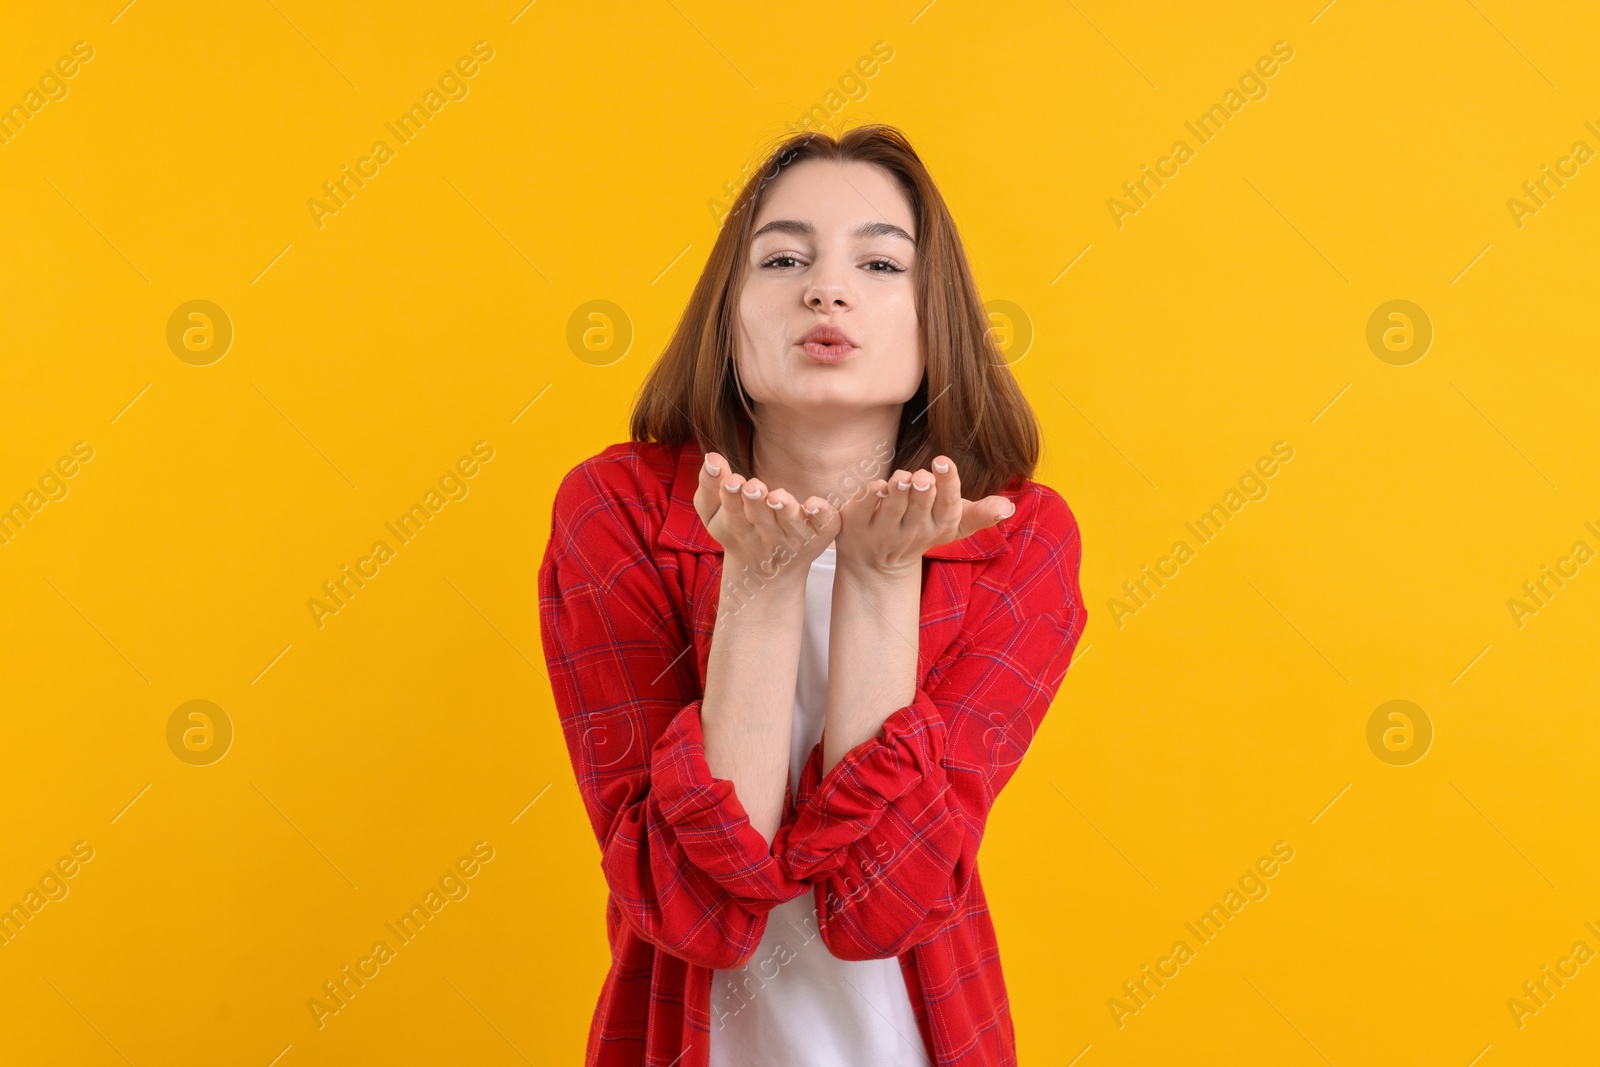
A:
x: 872, y: 654
x: 747, y: 715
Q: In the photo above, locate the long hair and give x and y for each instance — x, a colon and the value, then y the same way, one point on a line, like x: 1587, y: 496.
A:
x: 967, y: 406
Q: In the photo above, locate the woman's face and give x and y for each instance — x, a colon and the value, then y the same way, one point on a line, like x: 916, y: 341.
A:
x: 832, y: 245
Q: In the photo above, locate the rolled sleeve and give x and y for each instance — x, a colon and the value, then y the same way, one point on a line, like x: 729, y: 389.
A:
x: 709, y: 821
x: 848, y: 803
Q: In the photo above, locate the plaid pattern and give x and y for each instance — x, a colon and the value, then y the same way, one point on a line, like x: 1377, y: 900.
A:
x: 886, y: 842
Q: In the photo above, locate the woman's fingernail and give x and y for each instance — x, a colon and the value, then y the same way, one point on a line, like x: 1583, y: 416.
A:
x: 733, y: 486
x: 939, y: 465
x: 752, y: 492
x: 812, y: 511
x: 1010, y: 513
x: 882, y: 493
x: 922, y: 488
x: 902, y: 486
x: 712, y: 469
x: 774, y: 503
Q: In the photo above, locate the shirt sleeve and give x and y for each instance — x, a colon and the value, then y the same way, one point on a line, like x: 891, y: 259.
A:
x: 890, y: 834
x: 680, y: 856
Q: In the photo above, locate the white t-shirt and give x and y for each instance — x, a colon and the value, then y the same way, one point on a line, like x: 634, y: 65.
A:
x: 794, y: 1004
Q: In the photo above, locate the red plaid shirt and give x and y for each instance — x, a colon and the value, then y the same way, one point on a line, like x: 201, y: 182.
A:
x: 887, y: 841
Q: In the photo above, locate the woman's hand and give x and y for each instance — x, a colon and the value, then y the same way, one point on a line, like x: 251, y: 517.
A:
x: 888, y: 528
x: 761, y: 529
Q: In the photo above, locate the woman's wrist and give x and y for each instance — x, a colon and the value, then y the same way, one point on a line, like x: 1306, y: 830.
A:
x: 777, y: 584
x: 878, y: 574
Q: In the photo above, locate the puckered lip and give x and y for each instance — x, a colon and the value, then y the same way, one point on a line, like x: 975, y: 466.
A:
x: 828, y: 334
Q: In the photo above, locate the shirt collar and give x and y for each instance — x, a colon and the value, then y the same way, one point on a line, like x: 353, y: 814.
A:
x: 684, y: 530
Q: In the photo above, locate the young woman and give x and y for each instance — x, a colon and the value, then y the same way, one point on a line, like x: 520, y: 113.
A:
x: 791, y: 682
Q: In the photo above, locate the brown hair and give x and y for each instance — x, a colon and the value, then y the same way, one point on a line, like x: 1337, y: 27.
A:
x: 978, y: 415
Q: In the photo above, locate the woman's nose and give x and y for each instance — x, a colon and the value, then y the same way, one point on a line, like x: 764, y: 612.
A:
x: 826, y: 294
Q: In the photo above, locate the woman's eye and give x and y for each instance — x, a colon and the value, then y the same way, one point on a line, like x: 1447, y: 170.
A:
x: 785, y: 260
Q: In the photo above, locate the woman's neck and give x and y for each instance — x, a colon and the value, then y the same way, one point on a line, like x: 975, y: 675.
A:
x: 832, y: 462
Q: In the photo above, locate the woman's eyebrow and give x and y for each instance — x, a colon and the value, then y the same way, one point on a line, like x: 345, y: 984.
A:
x: 803, y: 228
